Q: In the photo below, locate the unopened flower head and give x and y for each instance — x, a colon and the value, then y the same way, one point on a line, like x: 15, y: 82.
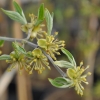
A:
x: 38, y: 61
x: 51, y: 45
x: 77, y: 77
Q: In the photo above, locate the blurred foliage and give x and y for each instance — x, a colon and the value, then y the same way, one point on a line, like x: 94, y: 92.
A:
x: 97, y: 90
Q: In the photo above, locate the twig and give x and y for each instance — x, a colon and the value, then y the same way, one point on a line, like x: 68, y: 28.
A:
x: 19, y: 40
x: 34, y: 46
x: 57, y: 68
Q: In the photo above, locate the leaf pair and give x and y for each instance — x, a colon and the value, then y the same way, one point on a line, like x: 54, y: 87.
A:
x: 66, y: 64
x: 17, y: 15
x: 45, y: 14
x: 61, y: 82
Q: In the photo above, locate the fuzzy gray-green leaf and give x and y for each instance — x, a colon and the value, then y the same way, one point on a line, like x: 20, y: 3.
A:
x: 14, y: 16
x: 64, y: 64
x: 69, y: 55
x: 19, y: 9
x: 4, y: 57
x: 49, y: 20
x: 60, y: 82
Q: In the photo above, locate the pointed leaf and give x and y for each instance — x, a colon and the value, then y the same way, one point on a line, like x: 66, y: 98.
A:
x: 40, y: 15
x: 19, y: 9
x: 41, y: 12
x: 49, y: 20
x: 69, y: 55
x: 64, y: 64
x: 60, y: 82
x: 4, y: 57
x: 15, y: 16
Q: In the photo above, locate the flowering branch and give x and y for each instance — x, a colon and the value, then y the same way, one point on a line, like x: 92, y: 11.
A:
x: 34, y: 46
x: 46, y: 48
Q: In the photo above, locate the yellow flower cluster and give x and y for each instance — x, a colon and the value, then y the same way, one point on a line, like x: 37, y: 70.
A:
x: 77, y: 77
x: 38, y: 61
x: 36, y: 31
x: 16, y: 60
x: 51, y: 45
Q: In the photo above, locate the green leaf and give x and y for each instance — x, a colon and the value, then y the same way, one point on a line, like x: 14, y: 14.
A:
x: 4, y: 57
x: 18, y: 47
x: 49, y: 20
x: 19, y: 9
x: 64, y: 64
x: 14, y: 16
x: 40, y: 15
x: 69, y: 55
x: 1, y: 43
x: 61, y: 82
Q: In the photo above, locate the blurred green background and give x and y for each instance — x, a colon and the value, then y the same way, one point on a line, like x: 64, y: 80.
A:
x: 78, y: 23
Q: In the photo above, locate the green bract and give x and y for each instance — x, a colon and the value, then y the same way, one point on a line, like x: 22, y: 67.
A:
x: 4, y: 57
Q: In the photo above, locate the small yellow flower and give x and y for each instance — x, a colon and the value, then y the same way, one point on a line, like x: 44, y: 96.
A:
x: 38, y: 61
x: 77, y: 77
x: 51, y: 45
x: 17, y: 60
x: 36, y: 31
